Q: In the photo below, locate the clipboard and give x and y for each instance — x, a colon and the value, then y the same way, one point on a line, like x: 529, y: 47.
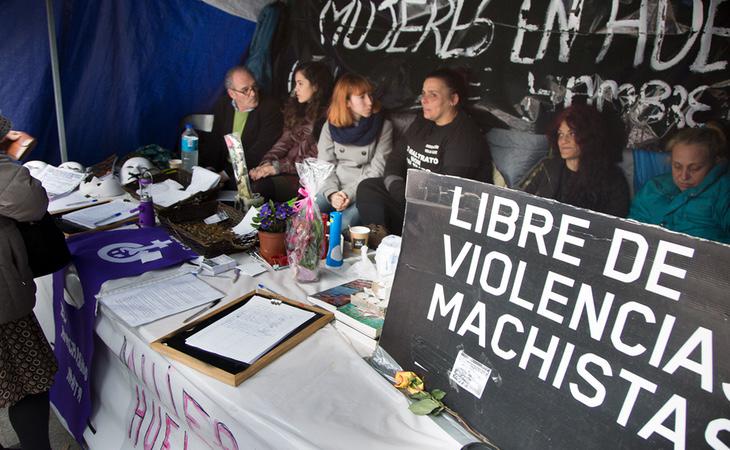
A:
x: 228, y: 370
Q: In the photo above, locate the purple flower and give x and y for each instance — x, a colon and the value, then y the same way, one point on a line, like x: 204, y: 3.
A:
x: 265, y: 210
x: 273, y: 217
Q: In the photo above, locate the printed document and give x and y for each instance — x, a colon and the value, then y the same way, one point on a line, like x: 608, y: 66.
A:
x: 59, y: 181
x: 249, y: 332
x: 147, y: 302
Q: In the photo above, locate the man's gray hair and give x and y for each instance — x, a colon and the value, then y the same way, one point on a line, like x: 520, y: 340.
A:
x: 235, y: 69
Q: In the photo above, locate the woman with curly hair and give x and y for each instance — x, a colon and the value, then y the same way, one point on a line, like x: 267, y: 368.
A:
x: 276, y: 177
x: 585, y: 174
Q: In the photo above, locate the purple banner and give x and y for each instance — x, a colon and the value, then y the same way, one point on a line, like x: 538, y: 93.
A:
x: 98, y: 257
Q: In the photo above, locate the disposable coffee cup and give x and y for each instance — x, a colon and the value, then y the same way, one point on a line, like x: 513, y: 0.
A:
x: 359, y: 237
x: 175, y: 164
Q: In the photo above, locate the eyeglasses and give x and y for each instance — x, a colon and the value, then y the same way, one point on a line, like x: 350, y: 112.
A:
x: 247, y: 90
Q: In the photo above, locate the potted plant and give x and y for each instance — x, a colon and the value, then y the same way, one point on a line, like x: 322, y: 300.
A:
x: 271, y: 222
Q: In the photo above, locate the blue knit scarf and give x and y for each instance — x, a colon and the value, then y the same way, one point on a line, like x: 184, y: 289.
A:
x: 363, y: 133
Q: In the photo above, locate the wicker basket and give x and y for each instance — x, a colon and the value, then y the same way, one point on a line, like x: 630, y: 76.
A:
x: 214, y: 239
x: 175, y: 211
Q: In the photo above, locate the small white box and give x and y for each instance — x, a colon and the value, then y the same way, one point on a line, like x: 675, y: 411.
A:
x: 218, y: 265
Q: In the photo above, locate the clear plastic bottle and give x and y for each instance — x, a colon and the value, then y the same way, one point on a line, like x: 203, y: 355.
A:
x: 189, y: 148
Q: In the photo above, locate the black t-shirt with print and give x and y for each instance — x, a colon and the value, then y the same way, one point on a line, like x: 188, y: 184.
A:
x: 455, y: 149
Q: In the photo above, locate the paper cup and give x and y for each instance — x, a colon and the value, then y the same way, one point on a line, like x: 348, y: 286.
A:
x: 359, y: 237
x: 175, y: 164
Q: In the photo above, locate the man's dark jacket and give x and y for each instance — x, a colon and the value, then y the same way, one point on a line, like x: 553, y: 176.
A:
x: 262, y: 130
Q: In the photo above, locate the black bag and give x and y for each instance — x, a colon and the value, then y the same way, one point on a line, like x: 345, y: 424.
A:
x: 45, y: 245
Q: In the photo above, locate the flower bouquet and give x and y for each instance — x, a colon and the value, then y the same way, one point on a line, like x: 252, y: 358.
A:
x: 240, y: 171
x: 306, y: 231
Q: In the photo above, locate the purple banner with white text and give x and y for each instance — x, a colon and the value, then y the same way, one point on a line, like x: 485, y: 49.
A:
x: 98, y: 257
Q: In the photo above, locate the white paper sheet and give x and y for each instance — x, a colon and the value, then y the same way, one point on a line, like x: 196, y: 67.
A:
x: 250, y: 266
x: 101, y: 215
x: 202, y: 180
x: 244, y: 226
x: 251, y: 330
x: 161, y: 298
x: 168, y: 193
x: 59, y: 181
x: 74, y: 200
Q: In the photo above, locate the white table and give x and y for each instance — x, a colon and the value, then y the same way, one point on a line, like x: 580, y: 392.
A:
x: 320, y: 394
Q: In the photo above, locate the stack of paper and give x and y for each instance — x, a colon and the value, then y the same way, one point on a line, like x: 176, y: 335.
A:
x: 250, y: 331
x: 59, y: 181
x: 102, y: 215
x: 151, y: 301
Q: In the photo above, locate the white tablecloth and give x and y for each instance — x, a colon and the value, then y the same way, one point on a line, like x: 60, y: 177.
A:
x: 320, y: 394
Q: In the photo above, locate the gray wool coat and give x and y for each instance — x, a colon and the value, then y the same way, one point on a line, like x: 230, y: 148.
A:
x: 353, y: 163
x: 23, y: 199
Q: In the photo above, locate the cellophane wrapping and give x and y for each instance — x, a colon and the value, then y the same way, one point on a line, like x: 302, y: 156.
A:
x: 305, y: 231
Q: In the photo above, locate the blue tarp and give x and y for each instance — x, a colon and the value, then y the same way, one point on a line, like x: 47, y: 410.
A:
x: 129, y: 70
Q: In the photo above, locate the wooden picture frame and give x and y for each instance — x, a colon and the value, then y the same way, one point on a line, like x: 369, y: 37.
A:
x: 234, y: 378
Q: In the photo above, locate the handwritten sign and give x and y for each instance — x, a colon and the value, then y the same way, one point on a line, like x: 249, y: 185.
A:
x: 659, y: 63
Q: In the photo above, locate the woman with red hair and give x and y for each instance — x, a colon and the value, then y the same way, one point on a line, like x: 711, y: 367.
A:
x: 585, y: 172
x: 356, y: 139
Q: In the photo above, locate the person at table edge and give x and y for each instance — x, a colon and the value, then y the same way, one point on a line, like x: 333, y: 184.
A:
x: 242, y: 110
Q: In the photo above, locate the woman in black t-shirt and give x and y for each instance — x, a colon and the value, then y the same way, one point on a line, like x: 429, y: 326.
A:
x: 444, y: 140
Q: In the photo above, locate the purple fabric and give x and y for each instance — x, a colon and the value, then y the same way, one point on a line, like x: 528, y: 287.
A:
x: 98, y: 257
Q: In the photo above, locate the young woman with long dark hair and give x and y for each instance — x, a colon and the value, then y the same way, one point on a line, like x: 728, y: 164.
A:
x: 276, y: 177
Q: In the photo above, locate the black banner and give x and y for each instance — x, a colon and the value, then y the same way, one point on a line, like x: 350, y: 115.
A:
x: 659, y: 63
x: 551, y: 326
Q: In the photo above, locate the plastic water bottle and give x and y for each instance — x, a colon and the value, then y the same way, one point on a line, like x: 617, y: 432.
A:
x: 189, y: 147
x: 334, y: 255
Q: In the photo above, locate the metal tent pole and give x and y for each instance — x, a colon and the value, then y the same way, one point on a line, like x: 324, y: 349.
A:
x: 56, y: 80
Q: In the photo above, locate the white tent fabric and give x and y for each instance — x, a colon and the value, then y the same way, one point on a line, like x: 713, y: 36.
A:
x: 247, y: 9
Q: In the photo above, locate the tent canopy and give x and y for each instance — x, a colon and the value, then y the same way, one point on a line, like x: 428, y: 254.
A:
x: 129, y: 70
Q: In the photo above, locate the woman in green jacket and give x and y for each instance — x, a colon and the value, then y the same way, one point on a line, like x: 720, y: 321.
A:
x: 694, y: 198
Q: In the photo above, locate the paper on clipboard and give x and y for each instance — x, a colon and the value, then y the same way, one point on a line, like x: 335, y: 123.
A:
x: 251, y: 330
x: 102, y: 215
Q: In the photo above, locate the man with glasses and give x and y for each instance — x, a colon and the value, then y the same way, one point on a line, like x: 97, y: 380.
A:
x: 244, y: 111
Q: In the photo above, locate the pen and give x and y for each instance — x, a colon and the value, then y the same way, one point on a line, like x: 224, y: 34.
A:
x: 98, y: 222
x: 212, y: 304
x: 261, y: 286
x: 83, y: 202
